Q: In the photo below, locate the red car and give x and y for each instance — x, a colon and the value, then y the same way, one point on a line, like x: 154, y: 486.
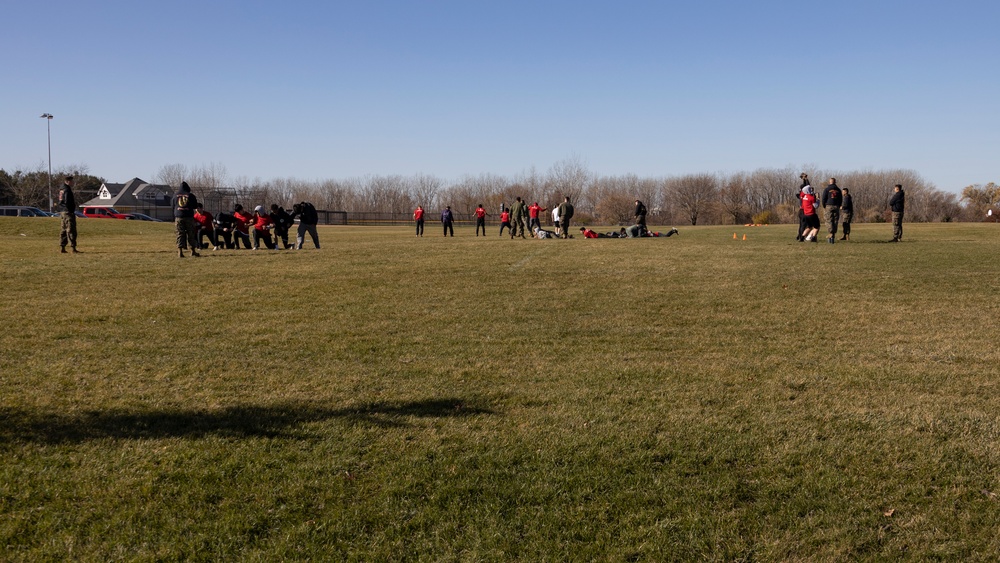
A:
x: 104, y: 213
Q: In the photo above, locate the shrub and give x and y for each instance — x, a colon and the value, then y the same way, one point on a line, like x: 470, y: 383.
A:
x: 765, y: 217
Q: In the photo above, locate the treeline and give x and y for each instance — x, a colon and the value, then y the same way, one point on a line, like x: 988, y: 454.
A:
x: 766, y: 195
x: 32, y: 187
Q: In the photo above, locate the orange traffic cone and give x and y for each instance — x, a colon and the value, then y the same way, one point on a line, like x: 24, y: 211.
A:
x: 734, y: 236
x: 744, y: 236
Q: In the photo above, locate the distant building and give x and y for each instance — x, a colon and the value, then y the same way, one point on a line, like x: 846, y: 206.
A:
x: 135, y: 196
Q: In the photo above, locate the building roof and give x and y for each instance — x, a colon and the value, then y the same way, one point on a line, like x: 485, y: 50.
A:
x: 133, y: 193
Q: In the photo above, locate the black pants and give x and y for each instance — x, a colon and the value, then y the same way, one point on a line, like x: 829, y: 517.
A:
x: 241, y: 236
x: 480, y: 224
x: 259, y: 235
x: 449, y: 226
x: 505, y: 225
x: 420, y: 227
x: 281, y: 235
x: 210, y: 233
x: 225, y: 237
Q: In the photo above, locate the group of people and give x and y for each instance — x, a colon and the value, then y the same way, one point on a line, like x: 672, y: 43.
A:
x: 838, y: 207
x: 517, y: 219
x: 635, y: 231
x: 193, y: 224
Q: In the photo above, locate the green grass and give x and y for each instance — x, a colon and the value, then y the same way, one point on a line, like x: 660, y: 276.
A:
x: 389, y: 398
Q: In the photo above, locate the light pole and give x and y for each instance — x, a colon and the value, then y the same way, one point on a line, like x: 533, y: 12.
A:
x: 48, y: 127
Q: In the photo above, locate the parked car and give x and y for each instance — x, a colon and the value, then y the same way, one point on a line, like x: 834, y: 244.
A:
x: 104, y: 213
x: 144, y: 217
x: 42, y: 212
x: 21, y: 211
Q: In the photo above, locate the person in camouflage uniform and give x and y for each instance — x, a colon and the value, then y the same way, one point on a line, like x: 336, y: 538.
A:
x: 519, y: 218
x: 67, y: 208
x: 184, y: 204
x: 565, y: 214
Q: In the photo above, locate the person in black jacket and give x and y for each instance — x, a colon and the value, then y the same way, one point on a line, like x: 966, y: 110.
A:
x: 847, y: 214
x: 833, y: 198
x: 282, y: 222
x: 67, y: 208
x: 640, y: 213
x: 896, y: 204
x: 308, y: 218
x: 184, y: 203
x: 225, y: 224
x: 448, y: 221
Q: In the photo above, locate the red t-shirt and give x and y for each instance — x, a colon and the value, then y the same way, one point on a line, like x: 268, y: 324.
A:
x: 480, y: 213
x: 533, y: 211
x: 243, y: 220
x: 589, y: 234
x: 505, y: 217
x: 807, y: 204
x: 204, y: 218
x: 418, y: 214
x: 262, y: 223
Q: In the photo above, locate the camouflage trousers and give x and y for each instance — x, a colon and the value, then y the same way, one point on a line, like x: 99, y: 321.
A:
x: 517, y: 227
x: 187, y: 234
x: 847, y: 217
x: 832, y: 217
x: 68, y: 232
x: 897, y: 225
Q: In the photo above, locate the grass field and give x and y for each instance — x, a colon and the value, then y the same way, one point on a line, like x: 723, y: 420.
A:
x: 389, y: 398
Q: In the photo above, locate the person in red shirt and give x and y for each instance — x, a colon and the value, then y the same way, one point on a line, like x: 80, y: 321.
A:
x: 242, y: 231
x: 206, y: 227
x: 262, y: 225
x: 505, y: 221
x: 481, y: 219
x: 809, y: 205
x: 533, y: 221
x: 587, y: 233
x: 418, y: 216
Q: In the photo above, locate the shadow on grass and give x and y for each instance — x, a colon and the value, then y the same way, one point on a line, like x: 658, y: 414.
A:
x: 245, y: 421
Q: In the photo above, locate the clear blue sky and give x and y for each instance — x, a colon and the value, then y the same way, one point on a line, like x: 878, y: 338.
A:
x: 339, y: 89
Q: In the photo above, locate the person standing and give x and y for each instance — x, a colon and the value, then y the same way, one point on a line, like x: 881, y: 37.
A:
x: 565, y: 214
x: 67, y: 212
x: 418, y: 217
x: 519, y: 215
x: 448, y: 221
x: 533, y: 222
x: 308, y: 219
x: 640, y: 214
x: 505, y: 221
x: 205, y: 224
x: 184, y: 204
x: 282, y: 222
x: 833, y: 198
x: 896, y: 205
x: 809, y: 205
x: 802, y: 218
x: 847, y: 214
x: 555, y: 221
x: 481, y: 219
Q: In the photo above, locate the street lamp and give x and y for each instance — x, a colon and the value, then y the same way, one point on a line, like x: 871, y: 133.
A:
x: 48, y: 127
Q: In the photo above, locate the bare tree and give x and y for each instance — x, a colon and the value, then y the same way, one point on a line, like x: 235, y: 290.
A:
x: 568, y: 178
x: 424, y: 190
x: 979, y: 199
x: 171, y: 175
x: 734, y: 197
x: 695, y: 195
